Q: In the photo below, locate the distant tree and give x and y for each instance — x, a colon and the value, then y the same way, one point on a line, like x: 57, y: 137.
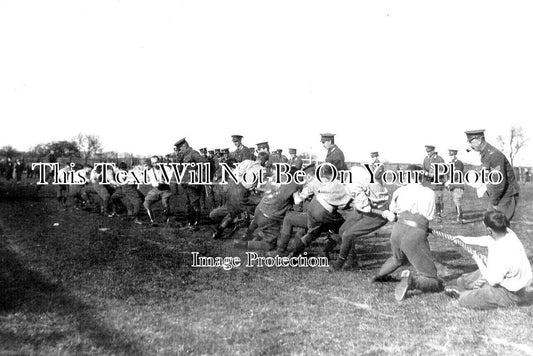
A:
x: 8, y: 151
x: 109, y: 156
x: 63, y: 148
x: 39, y: 151
x: 88, y: 144
x: 512, y: 143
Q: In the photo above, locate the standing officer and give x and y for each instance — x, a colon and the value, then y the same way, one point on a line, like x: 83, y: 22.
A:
x: 206, y: 191
x: 280, y: 156
x: 225, y: 154
x: 502, y: 196
x: 456, y: 188
x: 241, y: 152
x: 263, y: 147
x: 272, y: 158
x: 187, y: 155
x: 160, y: 190
x: 334, y: 155
x: 377, y: 167
x: 295, y: 161
x: 434, y: 183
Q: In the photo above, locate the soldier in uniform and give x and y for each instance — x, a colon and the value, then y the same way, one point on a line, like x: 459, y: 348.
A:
x: 187, y: 155
x: 295, y: 219
x: 280, y: 156
x: 219, y: 190
x: 224, y: 152
x: 272, y: 158
x: 241, y: 152
x: 269, y: 215
x: 456, y: 189
x: 377, y: 167
x: 295, y: 161
x: 434, y: 183
x: 208, y: 191
x: 160, y: 191
x: 503, y: 196
x: 240, y: 199
x: 334, y: 156
x: 204, y: 192
x: 263, y: 147
x: 330, y: 196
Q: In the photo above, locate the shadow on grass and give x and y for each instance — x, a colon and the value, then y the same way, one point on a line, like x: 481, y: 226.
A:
x: 473, y: 214
x: 27, y: 292
x: 10, y: 191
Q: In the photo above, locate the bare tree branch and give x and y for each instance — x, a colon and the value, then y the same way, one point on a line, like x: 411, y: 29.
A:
x: 88, y: 144
x: 514, y: 142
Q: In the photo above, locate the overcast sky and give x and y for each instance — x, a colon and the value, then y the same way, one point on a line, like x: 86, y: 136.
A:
x: 391, y: 76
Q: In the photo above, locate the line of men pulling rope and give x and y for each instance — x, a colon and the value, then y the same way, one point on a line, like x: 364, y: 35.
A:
x: 344, y: 211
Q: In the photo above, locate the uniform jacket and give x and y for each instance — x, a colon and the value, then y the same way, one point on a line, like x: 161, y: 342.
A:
x: 190, y: 156
x: 458, y: 166
x: 241, y: 153
x: 493, y: 159
x: 336, y: 157
x: 428, y: 167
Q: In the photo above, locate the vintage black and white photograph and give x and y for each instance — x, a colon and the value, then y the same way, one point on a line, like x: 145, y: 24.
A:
x: 266, y: 177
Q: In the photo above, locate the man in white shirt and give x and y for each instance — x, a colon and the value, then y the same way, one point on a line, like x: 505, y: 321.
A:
x: 502, y: 281
x: 414, y: 206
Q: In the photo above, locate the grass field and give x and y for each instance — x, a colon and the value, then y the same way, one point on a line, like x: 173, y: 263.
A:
x: 74, y: 282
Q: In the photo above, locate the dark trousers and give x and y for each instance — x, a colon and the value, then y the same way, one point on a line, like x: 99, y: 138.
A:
x: 292, y: 219
x: 356, y: 225
x: 486, y: 297
x: 410, y: 244
x: 266, y: 229
x: 193, y: 193
x: 319, y: 219
x: 507, y: 205
x: 133, y: 199
x: 239, y: 200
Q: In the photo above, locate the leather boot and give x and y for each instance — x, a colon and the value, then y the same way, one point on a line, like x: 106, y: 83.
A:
x: 298, y: 247
x: 220, y: 228
x: 329, y: 246
x: 438, y: 209
x: 351, y: 262
x: 337, y: 264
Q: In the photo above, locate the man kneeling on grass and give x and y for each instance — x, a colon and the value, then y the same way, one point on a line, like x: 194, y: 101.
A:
x: 414, y: 205
x: 503, y: 280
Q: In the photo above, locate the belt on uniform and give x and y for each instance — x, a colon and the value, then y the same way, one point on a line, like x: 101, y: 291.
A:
x: 412, y: 223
